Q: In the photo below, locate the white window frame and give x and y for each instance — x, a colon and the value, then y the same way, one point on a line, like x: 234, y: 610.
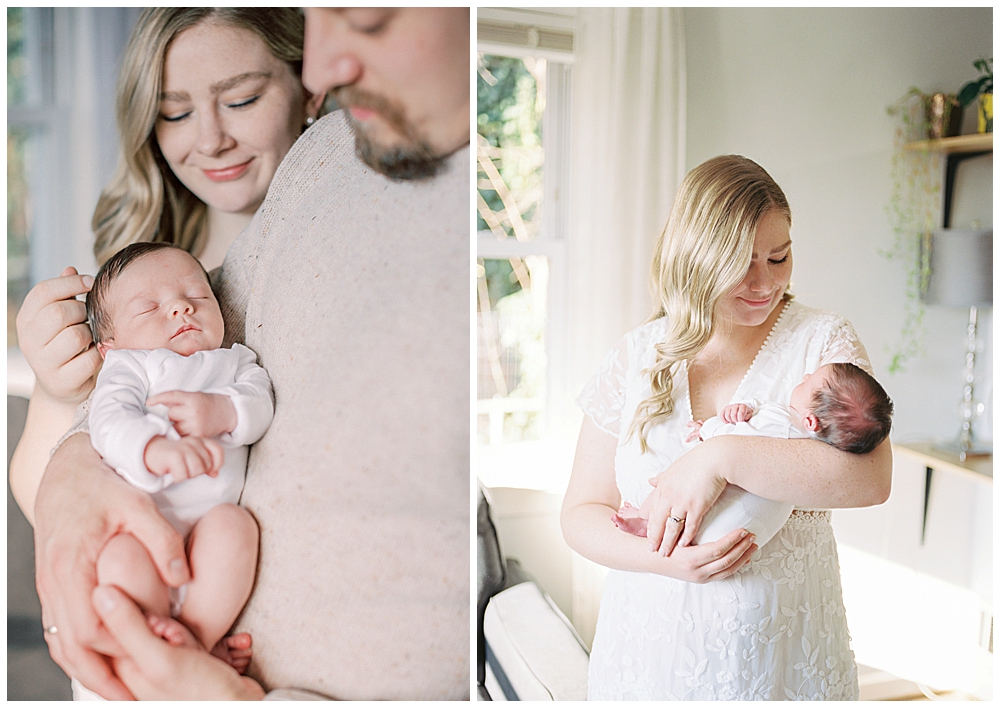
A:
x: 551, y: 241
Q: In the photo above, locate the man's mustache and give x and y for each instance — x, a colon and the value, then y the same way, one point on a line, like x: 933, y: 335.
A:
x: 351, y: 96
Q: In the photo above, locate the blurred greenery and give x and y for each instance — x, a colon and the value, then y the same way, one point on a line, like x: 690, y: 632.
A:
x: 15, y: 55
x: 18, y: 204
x: 510, y: 106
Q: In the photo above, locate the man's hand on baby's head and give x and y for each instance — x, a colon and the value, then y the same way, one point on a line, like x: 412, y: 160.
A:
x: 183, y: 459
x: 736, y: 413
x: 201, y: 415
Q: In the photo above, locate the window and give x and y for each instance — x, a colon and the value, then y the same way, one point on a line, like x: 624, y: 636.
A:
x: 29, y: 100
x: 523, y: 79
x: 62, y: 65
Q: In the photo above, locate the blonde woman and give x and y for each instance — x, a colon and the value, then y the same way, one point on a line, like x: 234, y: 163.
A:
x: 722, y: 620
x: 208, y: 102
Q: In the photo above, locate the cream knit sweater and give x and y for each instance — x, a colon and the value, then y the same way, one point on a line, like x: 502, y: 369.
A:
x: 353, y: 290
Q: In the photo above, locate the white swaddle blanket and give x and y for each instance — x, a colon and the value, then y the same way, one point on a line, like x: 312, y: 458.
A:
x: 737, y: 508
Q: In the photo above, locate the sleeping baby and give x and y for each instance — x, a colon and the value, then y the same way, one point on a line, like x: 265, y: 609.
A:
x: 839, y: 404
x: 174, y: 414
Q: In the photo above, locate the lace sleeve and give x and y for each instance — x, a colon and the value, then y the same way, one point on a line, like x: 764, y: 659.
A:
x: 603, y: 398
x: 843, y: 345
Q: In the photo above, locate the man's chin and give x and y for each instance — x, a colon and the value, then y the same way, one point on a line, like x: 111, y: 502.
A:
x: 414, y: 161
x: 401, y: 164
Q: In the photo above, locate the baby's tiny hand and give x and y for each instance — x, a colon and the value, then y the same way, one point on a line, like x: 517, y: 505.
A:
x: 201, y: 415
x: 695, y: 433
x: 183, y: 459
x: 736, y: 413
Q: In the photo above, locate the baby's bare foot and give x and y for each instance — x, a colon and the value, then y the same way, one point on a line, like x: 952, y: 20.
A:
x: 236, y: 650
x: 630, y: 523
x: 172, y: 631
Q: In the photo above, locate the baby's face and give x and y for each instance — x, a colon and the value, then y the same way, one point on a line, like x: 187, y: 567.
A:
x: 802, y: 395
x: 163, y: 301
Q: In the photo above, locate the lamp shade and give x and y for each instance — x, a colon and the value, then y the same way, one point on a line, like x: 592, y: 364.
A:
x: 961, y: 268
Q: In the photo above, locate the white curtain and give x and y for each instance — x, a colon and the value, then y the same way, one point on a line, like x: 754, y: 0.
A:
x: 626, y: 161
x: 626, y: 154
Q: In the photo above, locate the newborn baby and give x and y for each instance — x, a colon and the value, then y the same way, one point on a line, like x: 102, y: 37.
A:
x: 839, y: 404
x: 173, y: 414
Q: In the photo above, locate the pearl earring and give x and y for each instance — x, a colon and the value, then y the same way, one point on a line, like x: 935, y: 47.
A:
x: 309, y: 121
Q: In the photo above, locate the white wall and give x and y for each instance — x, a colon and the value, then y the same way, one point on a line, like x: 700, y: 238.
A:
x: 803, y: 92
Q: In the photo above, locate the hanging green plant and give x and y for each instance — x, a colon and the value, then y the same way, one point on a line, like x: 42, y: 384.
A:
x: 914, y: 201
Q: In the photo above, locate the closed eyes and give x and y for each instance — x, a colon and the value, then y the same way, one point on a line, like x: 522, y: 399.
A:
x: 174, y: 119
x: 236, y: 104
x: 243, y: 103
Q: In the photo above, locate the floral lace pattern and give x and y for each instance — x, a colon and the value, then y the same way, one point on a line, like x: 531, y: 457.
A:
x: 604, y: 395
x: 777, y: 629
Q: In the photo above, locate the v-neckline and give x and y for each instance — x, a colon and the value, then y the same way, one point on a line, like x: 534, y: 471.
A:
x: 746, y: 375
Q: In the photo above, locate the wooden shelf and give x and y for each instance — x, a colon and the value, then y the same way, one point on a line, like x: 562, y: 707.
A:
x: 956, y: 150
x: 977, y: 142
x: 979, y: 468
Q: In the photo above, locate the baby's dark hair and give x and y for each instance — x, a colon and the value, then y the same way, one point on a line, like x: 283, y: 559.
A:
x: 97, y: 309
x: 854, y: 411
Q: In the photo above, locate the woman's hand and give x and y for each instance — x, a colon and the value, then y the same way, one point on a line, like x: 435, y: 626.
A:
x: 52, y: 332
x: 712, y: 561
x: 81, y: 503
x: 155, y: 670
x: 592, y: 499
x: 681, y: 495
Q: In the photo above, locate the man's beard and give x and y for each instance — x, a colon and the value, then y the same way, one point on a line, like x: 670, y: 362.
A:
x: 412, y: 159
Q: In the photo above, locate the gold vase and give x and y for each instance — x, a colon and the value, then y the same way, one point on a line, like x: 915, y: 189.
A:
x: 944, y: 115
x: 986, y: 113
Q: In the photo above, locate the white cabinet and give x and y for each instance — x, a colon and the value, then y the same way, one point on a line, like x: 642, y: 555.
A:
x: 918, y: 572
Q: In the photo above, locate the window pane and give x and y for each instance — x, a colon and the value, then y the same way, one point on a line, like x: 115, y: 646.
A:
x: 511, y: 349
x: 20, y: 146
x: 28, y: 38
x: 510, y: 105
x: 16, y: 61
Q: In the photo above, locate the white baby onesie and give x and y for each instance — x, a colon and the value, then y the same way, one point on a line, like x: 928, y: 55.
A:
x: 737, y: 508
x: 121, y: 425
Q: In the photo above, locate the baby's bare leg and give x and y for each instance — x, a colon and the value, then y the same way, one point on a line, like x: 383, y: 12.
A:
x: 125, y: 563
x: 222, y: 552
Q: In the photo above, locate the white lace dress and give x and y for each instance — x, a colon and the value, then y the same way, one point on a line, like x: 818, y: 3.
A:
x: 775, y: 630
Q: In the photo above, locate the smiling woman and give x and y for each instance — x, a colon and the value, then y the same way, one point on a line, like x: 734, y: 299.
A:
x: 203, y: 132
x: 229, y: 111
x: 727, y: 331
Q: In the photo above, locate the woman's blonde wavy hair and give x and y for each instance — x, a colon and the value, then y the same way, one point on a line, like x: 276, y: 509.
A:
x: 145, y: 201
x: 703, y: 253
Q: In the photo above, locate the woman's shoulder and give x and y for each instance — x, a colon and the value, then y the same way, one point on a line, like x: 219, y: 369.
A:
x: 802, y: 318
x: 634, y: 347
x: 823, y: 336
x: 647, y: 334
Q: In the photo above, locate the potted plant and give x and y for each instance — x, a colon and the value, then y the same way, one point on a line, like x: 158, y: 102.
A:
x: 928, y: 115
x: 983, y: 89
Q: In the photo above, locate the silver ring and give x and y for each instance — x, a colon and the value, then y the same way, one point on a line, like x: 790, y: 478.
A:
x: 52, y: 629
x: 676, y: 520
